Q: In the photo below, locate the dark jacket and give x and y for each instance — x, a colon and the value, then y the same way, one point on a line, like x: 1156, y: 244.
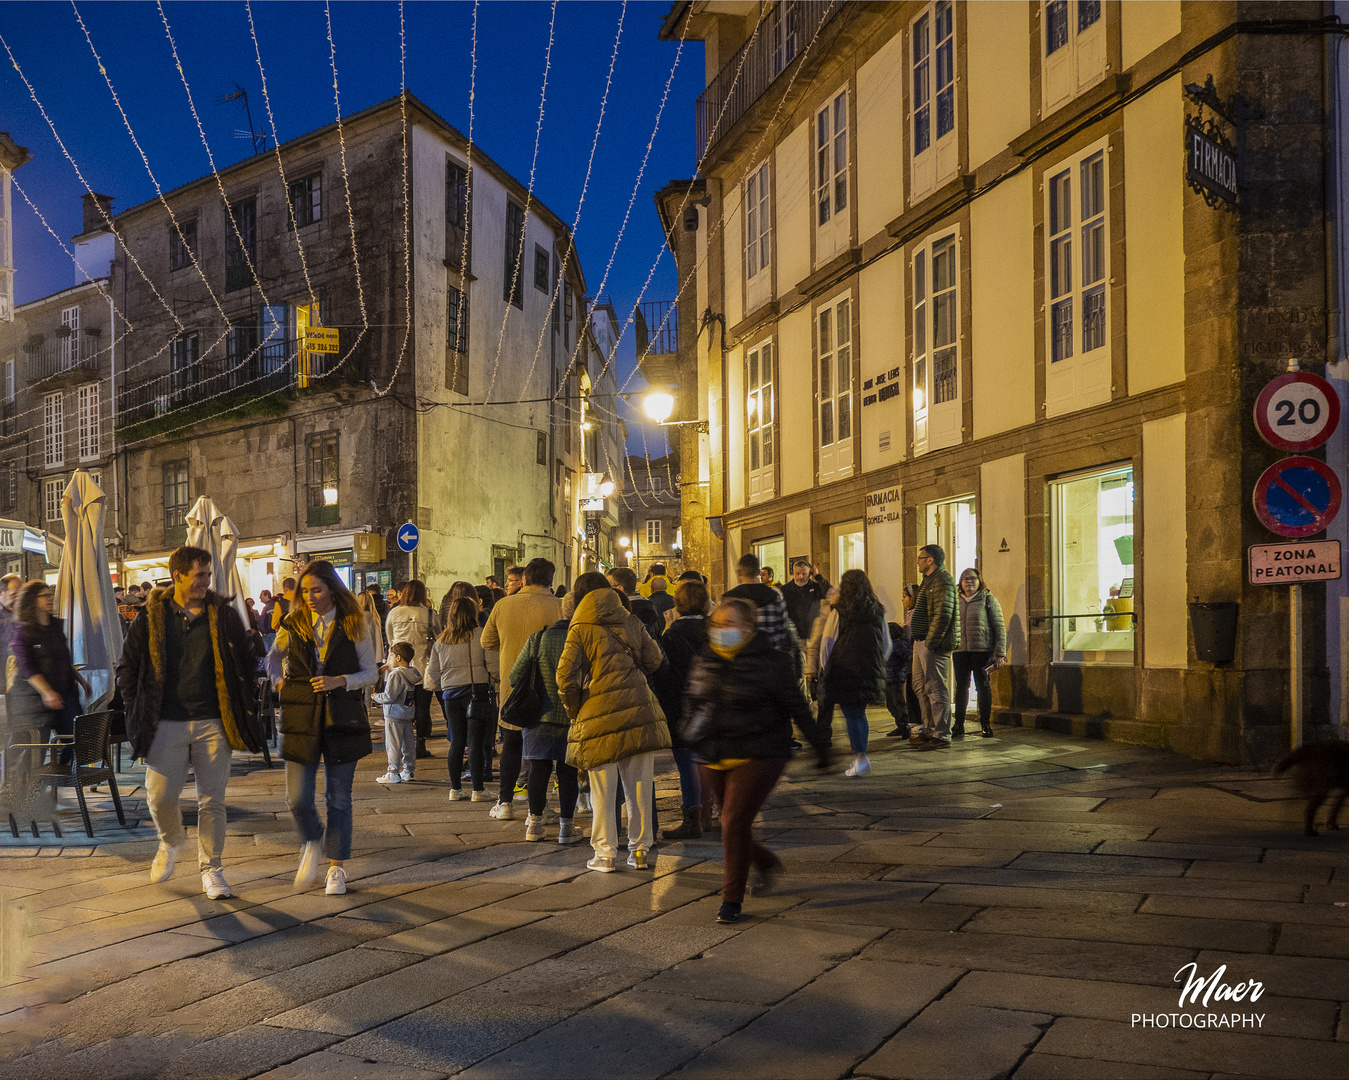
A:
x: 900, y: 660
x: 41, y: 650
x: 333, y: 725
x: 855, y: 670
x: 140, y: 673
x: 681, y: 643
x: 662, y: 602
x: 803, y: 603
x: 934, y: 613
x: 647, y: 614
x: 744, y: 707
x: 773, y: 619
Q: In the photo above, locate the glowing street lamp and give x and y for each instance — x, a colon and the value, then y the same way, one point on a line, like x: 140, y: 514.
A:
x: 659, y: 404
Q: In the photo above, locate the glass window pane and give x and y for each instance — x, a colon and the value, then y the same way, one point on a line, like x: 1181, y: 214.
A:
x: 920, y: 330
x: 1060, y: 202
x: 768, y: 445
x: 1056, y: 26
x: 1093, y: 252
x: 919, y: 277
x: 1060, y: 267
x: 844, y: 370
x: 845, y: 417
x: 1093, y: 539
x: 944, y: 320
x: 944, y: 376
x: 1061, y: 330
x: 1088, y: 14
x: 826, y: 423
x: 844, y: 323
x: 754, y: 451
x: 826, y: 339
x: 1093, y: 185
x: 754, y: 370
x: 1093, y: 319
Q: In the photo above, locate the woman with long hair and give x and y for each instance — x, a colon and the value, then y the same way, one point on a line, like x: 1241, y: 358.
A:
x: 321, y: 662
x: 462, y: 674
x: 544, y: 746
x: 982, y: 648
x: 45, y: 688
x: 413, y: 621
x: 370, y: 609
x: 853, y: 650
x: 457, y: 590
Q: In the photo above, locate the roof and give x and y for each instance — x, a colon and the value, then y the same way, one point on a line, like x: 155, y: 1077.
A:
x: 92, y: 283
x: 415, y: 104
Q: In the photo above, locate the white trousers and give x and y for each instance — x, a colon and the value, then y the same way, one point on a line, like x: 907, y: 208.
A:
x: 638, y: 784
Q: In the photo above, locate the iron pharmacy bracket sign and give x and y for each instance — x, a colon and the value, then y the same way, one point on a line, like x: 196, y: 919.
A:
x: 1210, y: 158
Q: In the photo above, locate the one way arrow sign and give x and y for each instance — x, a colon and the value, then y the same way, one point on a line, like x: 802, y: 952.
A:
x: 408, y: 537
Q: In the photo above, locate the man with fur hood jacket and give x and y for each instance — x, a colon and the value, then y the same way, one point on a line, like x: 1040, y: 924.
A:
x: 186, y: 678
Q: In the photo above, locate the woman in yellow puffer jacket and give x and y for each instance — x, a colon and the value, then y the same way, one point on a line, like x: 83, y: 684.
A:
x: 616, y: 723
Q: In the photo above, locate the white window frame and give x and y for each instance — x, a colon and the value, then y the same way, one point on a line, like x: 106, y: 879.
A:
x: 9, y: 382
x: 89, y: 421
x: 6, y: 250
x: 70, y: 343
x: 9, y: 476
x: 51, y: 498
x: 832, y: 145
x: 1078, y: 59
x: 757, y: 196
x: 1081, y: 377
x: 53, y: 430
x: 760, y: 420
x: 938, y: 342
x: 652, y: 531
x: 932, y: 86
x: 835, y: 404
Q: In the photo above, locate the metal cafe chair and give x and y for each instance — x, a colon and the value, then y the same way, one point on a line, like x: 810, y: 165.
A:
x: 91, y: 763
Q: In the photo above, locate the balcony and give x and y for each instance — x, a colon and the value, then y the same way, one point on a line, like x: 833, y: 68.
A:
x: 657, y: 324
x: 784, y: 32
x: 276, y: 366
x: 56, y: 356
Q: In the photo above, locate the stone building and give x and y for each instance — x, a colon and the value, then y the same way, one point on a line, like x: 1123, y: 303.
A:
x: 650, y: 525
x: 977, y: 289
x: 370, y: 325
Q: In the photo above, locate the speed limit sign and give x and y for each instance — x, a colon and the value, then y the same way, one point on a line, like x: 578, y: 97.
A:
x: 1297, y: 412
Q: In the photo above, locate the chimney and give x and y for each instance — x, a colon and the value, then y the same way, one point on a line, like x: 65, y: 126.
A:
x: 93, y: 220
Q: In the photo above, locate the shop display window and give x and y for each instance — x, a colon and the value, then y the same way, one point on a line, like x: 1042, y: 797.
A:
x: 1094, y: 580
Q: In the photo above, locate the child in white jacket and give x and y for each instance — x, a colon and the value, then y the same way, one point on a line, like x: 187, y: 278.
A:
x: 400, y: 712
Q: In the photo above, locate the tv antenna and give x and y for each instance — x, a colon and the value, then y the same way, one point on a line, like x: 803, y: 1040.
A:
x: 259, y: 138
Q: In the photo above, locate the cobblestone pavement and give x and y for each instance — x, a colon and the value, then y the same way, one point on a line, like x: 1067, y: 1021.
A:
x: 1003, y: 908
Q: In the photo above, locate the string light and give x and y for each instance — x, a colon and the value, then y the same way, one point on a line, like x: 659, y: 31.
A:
x: 407, y: 209
x: 346, y: 177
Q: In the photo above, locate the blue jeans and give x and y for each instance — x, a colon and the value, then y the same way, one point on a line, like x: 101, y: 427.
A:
x: 300, y: 783
x: 690, y: 790
x: 855, y: 719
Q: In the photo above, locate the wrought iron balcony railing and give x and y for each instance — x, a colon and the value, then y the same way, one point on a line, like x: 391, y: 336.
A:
x: 57, y: 355
x: 657, y: 326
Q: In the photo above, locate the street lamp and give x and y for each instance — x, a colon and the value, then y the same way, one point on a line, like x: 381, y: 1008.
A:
x: 659, y: 403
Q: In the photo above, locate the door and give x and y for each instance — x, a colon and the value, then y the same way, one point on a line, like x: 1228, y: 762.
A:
x: 773, y: 553
x: 953, y: 525
x: 309, y: 363
x: 848, y: 547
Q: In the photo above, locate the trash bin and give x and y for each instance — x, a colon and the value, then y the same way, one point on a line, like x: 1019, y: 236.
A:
x: 1215, y: 631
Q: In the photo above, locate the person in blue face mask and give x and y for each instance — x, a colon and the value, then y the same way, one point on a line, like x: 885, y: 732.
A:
x: 741, y: 699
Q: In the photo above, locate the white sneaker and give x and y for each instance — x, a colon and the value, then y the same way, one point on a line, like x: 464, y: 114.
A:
x: 479, y: 796
x: 407, y: 776
x: 568, y: 833
x: 213, y: 883
x: 534, y: 827
x: 860, y: 767
x: 456, y: 794
x: 389, y: 777
x: 603, y: 863
x: 638, y: 861
x: 308, y: 872
x: 337, y: 881
x: 583, y: 802
x: 162, y: 867
x: 503, y: 811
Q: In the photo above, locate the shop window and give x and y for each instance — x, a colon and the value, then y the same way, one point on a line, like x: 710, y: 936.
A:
x: 1074, y: 49
x: 175, y: 503
x: 833, y: 324
x: 1094, y: 590
x: 932, y: 99
x: 848, y: 546
x: 759, y: 416
x: 321, y: 500
x: 758, y: 239
x: 53, y: 431
x: 832, y: 229
x: 1077, y: 275
x: 938, y: 417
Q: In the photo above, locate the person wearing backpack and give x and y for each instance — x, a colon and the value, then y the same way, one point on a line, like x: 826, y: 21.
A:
x: 400, y: 712
x: 463, y: 672
x: 545, y: 744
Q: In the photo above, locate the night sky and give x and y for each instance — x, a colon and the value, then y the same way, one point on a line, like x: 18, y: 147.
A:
x: 217, y: 52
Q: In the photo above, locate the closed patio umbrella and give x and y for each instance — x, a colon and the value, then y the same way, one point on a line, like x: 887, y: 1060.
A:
x: 210, y: 530
x: 84, y: 589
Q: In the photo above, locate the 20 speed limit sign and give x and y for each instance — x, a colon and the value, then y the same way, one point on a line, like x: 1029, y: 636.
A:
x: 1297, y: 412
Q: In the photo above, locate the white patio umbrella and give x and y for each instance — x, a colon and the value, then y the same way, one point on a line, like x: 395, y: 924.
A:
x: 210, y: 530
x: 84, y: 596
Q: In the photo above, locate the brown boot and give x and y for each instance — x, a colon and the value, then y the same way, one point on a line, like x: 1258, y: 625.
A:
x: 691, y: 829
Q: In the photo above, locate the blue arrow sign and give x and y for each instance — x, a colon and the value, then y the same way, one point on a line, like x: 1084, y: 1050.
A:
x: 408, y: 537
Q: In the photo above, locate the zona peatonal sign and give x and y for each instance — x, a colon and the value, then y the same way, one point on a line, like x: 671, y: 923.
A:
x: 1210, y: 164
x: 1293, y: 564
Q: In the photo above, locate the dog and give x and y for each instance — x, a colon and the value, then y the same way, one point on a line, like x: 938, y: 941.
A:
x: 1318, y: 769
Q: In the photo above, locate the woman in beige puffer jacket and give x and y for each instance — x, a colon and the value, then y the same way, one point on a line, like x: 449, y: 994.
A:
x: 616, y: 724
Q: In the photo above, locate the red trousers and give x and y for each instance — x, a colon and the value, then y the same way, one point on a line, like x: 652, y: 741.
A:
x: 741, y: 792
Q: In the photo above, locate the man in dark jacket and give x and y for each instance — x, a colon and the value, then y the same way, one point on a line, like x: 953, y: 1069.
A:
x: 802, y: 595
x: 624, y: 579
x: 773, y: 619
x: 186, y: 681
x: 935, y: 636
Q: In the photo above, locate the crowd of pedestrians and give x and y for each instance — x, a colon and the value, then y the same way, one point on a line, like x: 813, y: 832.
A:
x: 619, y: 671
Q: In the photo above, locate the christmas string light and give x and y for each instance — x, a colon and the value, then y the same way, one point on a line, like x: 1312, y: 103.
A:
x: 346, y: 177
x: 407, y: 209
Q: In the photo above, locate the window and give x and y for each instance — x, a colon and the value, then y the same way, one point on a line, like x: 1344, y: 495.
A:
x: 241, y: 346
x: 321, y: 480
x: 835, y: 389
x: 182, y: 245
x: 6, y: 250
x: 759, y: 417
x: 9, y: 485
x: 541, y: 448
x: 513, y: 290
x: 241, y: 251
x: 182, y: 367
x: 456, y: 215
x: 306, y: 201
x: 51, y: 499
x: 937, y: 410
x: 53, y: 431
x: 566, y: 314
x: 540, y: 268
x: 1074, y: 49
x: 932, y: 102
x: 554, y: 299
x: 8, y: 407
x: 456, y: 343
x: 782, y: 27
x: 1077, y: 271
x: 655, y: 483
x: 758, y: 238
x: 175, y: 503
x: 89, y: 421
x: 1093, y: 533
x: 848, y: 547
x: 831, y: 179
x: 653, y: 530
x: 70, y: 340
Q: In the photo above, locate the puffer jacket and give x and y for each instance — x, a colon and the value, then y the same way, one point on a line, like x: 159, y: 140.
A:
x: 981, y: 625
x: 549, y: 644
x: 615, y: 716
x: 934, y: 613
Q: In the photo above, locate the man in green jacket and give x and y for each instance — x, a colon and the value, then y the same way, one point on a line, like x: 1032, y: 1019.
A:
x: 936, y: 633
